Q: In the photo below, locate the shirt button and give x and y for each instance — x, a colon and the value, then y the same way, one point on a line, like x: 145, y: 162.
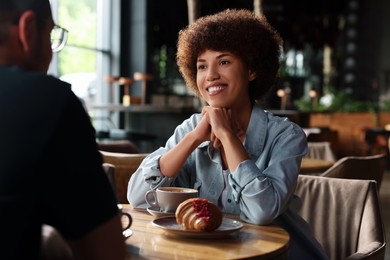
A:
x: 229, y: 201
x: 234, y: 186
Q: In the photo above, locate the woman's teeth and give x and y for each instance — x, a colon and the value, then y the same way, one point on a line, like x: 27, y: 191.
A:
x: 212, y: 90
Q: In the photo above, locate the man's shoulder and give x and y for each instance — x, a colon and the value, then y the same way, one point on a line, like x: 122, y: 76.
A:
x: 22, y: 79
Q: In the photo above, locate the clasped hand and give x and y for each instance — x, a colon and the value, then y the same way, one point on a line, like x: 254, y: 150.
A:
x: 216, y: 125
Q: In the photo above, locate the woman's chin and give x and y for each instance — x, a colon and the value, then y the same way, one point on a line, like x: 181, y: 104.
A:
x: 217, y: 104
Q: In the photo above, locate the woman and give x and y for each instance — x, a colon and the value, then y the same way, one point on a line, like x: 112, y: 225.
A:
x: 237, y: 155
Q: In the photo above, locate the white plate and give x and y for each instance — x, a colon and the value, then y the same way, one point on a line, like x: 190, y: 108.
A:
x: 170, y: 225
x: 158, y: 213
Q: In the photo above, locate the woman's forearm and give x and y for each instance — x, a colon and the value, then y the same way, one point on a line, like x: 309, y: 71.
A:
x: 171, y: 162
x: 235, y: 152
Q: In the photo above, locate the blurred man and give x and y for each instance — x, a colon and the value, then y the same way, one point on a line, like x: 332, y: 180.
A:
x: 50, y: 170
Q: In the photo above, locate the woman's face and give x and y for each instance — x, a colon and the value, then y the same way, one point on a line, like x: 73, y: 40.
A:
x: 223, y: 79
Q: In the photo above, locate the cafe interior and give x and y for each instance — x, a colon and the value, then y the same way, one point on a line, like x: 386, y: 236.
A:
x: 334, y: 82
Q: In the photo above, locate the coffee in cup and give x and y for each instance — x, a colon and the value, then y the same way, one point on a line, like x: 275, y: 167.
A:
x: 167, y: 199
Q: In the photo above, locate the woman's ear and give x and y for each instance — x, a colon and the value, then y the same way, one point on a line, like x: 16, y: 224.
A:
x: 252, y: 75
x: 27, y: 30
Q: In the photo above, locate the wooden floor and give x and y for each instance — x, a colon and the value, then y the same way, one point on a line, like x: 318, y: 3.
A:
x: 384, y: 194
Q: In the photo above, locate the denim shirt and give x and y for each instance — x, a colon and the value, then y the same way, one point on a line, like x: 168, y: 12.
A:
x: 260, y: 189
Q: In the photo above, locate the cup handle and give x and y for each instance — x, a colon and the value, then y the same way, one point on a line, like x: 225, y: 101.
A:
x: 126, y: 224
x: 151, y: 198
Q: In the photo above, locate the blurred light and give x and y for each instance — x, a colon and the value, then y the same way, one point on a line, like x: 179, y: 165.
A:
x: 299, y: 60
x: 350, y: 63
x: 341, y: 23
x: 327, y: 59
x: 349, y: 78
x: 351, y: 47
x: 280, y: 93
x: 312, y: 93
x: 290, y: 58
x: 352, y: 18
x: 351, y: 33
x: 326, y: 100
x: 353, y: 5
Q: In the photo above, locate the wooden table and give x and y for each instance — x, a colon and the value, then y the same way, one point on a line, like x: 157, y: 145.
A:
x: 309, y: 165
x: 252, y: 241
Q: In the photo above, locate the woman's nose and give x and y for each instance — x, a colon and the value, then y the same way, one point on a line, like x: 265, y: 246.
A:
x: 212, y: 73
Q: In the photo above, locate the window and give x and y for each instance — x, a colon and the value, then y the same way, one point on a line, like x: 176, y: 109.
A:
x: 88, y: 55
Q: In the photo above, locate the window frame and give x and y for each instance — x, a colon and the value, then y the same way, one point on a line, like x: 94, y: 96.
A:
x: 107, y: 51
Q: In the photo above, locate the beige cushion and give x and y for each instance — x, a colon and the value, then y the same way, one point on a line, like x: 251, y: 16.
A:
x: 359, y: 167
x: 345, y: 216
x: 125, y: 166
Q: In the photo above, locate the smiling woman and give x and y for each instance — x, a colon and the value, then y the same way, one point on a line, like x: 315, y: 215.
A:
x: 237, y: 155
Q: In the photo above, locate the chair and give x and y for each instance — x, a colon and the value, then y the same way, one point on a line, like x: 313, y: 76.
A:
x: 125, y: 166
x: 118, y: 146
x: 325, y: 134
x: 359, y: 167
x: 345, y: 216
x: 109, y: 169
x: 320, y: 150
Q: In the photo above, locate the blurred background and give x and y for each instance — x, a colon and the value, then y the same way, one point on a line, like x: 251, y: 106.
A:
x: 335, y: 59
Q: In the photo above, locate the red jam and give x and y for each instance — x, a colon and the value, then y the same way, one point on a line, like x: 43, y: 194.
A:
x: 201, y: 207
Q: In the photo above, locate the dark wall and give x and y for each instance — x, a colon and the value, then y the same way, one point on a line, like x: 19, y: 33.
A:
x: 149, y: 26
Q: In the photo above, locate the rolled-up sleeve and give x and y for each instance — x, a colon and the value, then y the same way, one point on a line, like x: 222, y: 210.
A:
x: 262, y: 187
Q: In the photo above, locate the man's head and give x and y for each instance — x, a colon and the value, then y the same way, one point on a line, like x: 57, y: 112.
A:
x: 25, y: 27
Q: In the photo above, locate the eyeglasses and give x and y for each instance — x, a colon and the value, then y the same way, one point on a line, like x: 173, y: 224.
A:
x: 58, y: 37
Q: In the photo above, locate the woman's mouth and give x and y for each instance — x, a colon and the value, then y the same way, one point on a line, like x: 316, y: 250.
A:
x: 215, y: 89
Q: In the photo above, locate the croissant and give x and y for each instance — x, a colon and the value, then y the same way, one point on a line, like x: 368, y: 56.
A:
x: 198, y: 214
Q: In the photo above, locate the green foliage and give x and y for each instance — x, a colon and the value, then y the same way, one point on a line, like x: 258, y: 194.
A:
x: 305, y: 104
x: 385, y: 106
x: 341, y: 101
x: 79, y: 17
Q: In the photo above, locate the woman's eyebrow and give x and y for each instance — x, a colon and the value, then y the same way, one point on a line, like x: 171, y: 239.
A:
x: 217, y: 57
x: 222, y: 55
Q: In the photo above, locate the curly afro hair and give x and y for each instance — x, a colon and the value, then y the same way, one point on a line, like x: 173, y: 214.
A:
x: 241, y: 32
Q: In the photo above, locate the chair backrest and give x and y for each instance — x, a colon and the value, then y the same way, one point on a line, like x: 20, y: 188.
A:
x: 326, y: 135
x: 125, y: 166
x: 118, y: 146
x: 359, y: 167
x: 345, y: 216
x: 110, y: 172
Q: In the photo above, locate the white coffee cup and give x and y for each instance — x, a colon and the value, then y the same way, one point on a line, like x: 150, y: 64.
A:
x: 167, y: 199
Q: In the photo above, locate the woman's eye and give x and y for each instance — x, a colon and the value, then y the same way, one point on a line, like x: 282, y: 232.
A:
x: 224, y: 62
x: 201, y: 67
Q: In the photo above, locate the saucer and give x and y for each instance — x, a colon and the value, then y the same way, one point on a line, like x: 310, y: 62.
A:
x: 158, y: 213
x: 170, y: 225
